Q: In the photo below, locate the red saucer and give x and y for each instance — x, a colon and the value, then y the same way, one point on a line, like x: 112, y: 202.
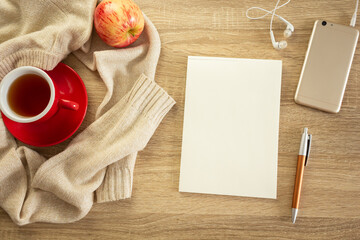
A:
x: 65, y: 122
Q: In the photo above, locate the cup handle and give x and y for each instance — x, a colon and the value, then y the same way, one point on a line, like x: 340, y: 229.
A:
x: 63, y: 103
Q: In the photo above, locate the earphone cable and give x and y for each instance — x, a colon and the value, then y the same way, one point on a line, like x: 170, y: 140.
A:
x: 264, y: 10
x: 273, y: 12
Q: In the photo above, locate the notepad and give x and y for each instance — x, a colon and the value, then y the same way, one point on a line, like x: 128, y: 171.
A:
x: 231, y: 127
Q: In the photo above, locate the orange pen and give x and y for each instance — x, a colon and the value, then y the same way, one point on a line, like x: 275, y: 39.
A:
x: 302, y: 162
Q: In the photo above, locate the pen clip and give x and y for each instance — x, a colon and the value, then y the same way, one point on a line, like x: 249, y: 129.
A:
x: 308, y: 149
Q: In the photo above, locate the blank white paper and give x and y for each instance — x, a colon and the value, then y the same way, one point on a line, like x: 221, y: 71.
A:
x: 231, y: 127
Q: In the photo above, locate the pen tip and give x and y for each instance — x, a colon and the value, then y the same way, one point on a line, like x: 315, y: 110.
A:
x: 294, y: 214
x: 305, y: 130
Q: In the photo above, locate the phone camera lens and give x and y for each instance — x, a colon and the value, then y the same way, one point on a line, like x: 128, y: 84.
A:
x: 324, y: 23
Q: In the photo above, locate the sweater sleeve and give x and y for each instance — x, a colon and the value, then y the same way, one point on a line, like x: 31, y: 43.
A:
x: 117, y: 135
x: 119, y: 69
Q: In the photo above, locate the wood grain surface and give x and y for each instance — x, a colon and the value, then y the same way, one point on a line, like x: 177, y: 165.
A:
x: 330, y: 203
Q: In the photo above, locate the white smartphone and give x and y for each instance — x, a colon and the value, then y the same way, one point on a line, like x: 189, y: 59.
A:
x: 327, y: 66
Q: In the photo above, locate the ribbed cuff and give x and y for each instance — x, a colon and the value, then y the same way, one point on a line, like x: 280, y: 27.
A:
x: 152, y: 103
x: 117, y: 183
x: 36, y: 58
x: 150, y: 99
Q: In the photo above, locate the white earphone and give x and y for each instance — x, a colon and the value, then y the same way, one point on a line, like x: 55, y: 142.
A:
x: 289, y: 27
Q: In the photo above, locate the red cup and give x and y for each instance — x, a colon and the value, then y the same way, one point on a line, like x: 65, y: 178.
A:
x: 55, y: 101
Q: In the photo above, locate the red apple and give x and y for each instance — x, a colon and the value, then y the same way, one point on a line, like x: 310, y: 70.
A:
x: 118, y: 22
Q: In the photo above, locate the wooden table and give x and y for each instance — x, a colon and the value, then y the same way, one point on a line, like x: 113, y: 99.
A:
x: 330, y: 204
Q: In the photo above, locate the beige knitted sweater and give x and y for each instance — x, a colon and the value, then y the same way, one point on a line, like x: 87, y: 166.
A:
x: 98, y: 164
